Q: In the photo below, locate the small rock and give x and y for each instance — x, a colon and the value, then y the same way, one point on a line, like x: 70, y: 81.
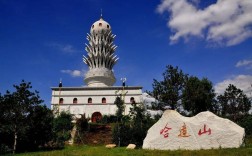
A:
x: 110, y: 146
x: 95, y: 142
x: 131, y: 146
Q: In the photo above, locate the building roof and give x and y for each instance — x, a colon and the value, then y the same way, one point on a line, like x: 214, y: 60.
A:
x: 100, y: 26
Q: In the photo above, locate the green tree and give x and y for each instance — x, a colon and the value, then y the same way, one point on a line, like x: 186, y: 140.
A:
x: 118, y: 131
x: 198, y: 96
x: 5, y: 137
x: 169, y: 90
x: 18, y: 106
x: 120, y: 108
x: 139, y: 124
x: 40, y: 127
x: 62, y: 126
x: 234, y: 103
x: 246, y: 123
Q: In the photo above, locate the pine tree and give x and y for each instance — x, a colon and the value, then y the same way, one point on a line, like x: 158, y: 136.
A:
x: 234, y: 103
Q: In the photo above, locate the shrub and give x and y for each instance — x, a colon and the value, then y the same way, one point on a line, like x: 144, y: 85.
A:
x: 62, y: 126
x: 122, y: 134
x: 4, y: 149
x: 82, y: 124
x: 108, y: 119
x: 133, y: 128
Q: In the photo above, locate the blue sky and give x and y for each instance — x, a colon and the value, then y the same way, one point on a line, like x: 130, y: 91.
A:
x: 43, y: 41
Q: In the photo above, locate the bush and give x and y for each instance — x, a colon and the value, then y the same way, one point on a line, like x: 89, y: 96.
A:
x: 4, y: 149
x: 82, y: 124
x: 133, y: 128
x: 108, y: 119
x: 62, y: 126
x: 122, y: 134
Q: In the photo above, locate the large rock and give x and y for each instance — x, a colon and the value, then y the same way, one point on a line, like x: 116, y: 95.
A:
x: 203, y: 131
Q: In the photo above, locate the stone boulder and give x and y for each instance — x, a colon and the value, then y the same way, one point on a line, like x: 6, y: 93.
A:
x: 203, y: 131
x: 110, y: 146
x: 131, y: 146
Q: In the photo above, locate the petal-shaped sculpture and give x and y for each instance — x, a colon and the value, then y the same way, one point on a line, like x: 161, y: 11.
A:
x: 100, y: 58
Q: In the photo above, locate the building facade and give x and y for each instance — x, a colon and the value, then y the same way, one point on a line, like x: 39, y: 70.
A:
x: 98, y: 97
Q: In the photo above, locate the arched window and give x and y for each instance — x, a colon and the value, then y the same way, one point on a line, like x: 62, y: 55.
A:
x: 100, y: 24
x: 89, y: 100
x: 108, y: 26
x: 132, y: 100
x: 75, y: 100
x: 61, y: 100
x: 104, y: 100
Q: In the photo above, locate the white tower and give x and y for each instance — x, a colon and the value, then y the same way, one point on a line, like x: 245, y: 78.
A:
x: 100, y: 58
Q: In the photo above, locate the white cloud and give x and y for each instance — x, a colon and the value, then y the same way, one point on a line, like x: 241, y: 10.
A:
x: 227, y: 22
x: 67, y: 48
x: 242, y: 82
x: 73, y: 73
x: 244, y: 63
x: 64, y: 48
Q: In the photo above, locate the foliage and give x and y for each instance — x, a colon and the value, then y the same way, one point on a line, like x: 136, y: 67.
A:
x: 184, y: 93
x: 199, y: 96
x: 39, y: 132
x: 82, y: 127
x: 82, y: 123
x: 121, y: 134
x: 246, y: 123
x: 133, y: 127
x: 169, y: 90
x: 108, y: 119
x: 18, y: 118
x: 157, y: 105
x: 62, y: 126
x: 234, y: 103
x: 120, y: 108
x: 140, y: 123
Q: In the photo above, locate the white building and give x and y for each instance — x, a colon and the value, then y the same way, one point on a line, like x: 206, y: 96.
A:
x: 97, y: 98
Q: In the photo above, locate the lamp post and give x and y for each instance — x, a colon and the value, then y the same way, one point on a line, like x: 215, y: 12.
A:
x: 122, y: 94
x: 57, y: 112
x: 123, y: 86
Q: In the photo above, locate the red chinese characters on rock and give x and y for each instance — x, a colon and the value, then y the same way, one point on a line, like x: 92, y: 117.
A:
x: 183, y: 131
x: 204, y: 131
x: 165, y: 131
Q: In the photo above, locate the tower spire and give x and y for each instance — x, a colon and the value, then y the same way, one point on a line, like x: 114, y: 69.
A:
x: 101, y: 13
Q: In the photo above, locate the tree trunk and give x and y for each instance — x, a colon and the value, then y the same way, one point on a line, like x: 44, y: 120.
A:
x: 15, y: 140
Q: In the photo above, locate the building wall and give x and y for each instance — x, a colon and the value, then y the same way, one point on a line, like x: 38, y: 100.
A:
x: 83, y: 93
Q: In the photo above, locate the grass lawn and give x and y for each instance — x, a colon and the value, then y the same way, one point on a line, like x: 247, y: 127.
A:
x: 121, y: 151
x: 84, y: 150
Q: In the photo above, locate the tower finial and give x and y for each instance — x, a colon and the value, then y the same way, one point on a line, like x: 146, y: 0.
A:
x: 101, y: 13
